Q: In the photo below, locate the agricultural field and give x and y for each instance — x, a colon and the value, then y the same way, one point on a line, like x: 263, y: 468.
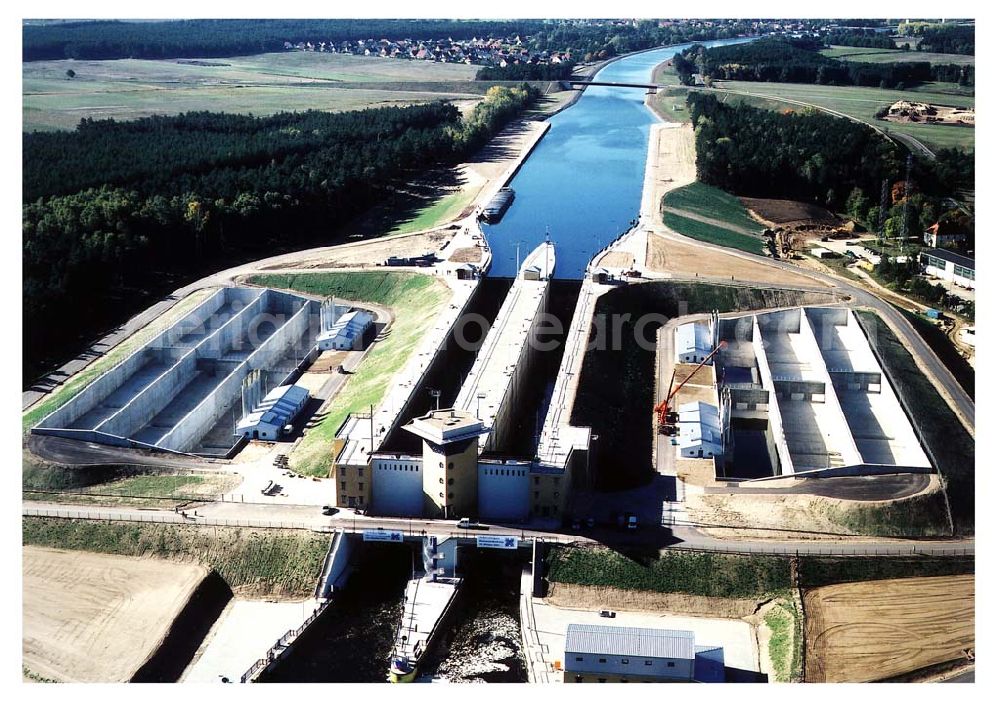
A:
x: 97, y: 617
x: 261, y: 84
x: 708, y: 214
x: 866, y: 631
x: 415, y: 299
x: 144, y: 490
x: 862, y: 103
x: 255, y: 563
x: 866, y: 55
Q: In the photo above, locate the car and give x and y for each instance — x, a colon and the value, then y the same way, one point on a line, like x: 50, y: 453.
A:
x: 330, y: 510
x: 590, y: 522
x: 576, y: 524
x: 472, y: 525
x: 607, y: 614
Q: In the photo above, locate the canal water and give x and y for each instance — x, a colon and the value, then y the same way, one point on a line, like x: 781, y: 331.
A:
x: 584, y: 179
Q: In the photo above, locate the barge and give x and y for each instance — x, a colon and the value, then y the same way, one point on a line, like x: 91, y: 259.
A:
x: 425, y: 608
x: 498, y: 204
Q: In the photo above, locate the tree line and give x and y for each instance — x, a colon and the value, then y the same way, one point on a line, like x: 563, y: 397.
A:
x: 945, y: 39
x: 782, y: 60
x: 527, y: 71
x: 213, y: 38
x: 863, y: 39
x: 176, y: 195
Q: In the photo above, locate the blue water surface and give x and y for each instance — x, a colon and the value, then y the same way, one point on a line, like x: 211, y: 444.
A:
x: 584, y: 179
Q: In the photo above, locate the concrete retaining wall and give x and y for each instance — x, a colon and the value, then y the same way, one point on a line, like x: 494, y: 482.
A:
x: 504, y: 491
x: 396, y: 491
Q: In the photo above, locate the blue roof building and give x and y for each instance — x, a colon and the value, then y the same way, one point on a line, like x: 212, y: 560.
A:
x: 277, y: 410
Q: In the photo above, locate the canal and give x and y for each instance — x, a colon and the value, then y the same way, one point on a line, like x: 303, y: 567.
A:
x: 584, y: 179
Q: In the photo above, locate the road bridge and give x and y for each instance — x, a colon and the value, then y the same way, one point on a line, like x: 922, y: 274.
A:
x: 582, y: 84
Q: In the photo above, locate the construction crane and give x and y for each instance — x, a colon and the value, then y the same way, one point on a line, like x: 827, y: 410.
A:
x: 666, y: 417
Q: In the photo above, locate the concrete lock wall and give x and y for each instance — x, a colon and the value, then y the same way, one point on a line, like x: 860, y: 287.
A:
x: 504, y: 491
x: 196, y: 318
x: 397, y: 485
x: 775, y: 428
x: 190, y: 428
x: 151, y: 400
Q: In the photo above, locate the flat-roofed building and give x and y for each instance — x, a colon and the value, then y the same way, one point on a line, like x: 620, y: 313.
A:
x: 950, y: 266
x: 277, y: 410
x: 596, y: 653
x: 349, y: 332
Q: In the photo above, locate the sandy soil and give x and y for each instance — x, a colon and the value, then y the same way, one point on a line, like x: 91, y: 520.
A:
x: 672, y: 165
x: 681, y: 258
x: 579, y: 596
x: 97, y: 618
x: 374, y: 252
x: 703, y: 376
x: 469, y: 254
x: 865, y: 631
x: 616, y: 259
x: 775, y: 212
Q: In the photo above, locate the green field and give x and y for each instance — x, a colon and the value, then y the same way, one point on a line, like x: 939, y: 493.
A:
x: 415, y: 299
x: 144, y: 490
x: 861, y: 54
x: 701, y: 574
x: 253, y: 562
x: 863, y: 103
x: 785, y: 646
x: 713, y: 204
x: 261, y: 84
x: 442, y: 211
x: 74, y: 385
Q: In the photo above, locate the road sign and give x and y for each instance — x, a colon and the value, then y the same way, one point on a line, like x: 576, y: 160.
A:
x: 380, y: 536
x: 501, y: 542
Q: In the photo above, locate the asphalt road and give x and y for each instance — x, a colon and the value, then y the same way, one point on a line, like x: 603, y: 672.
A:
x: 677, y: 537
x: 879, y: 488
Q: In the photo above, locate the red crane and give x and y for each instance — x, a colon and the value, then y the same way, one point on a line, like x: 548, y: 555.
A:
x: 666, y: 417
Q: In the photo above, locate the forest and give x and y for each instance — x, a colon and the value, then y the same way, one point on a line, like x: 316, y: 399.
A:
x: 214, y: 38
x: 781, y: 60
x: 810, y: 157
x: 864, y: 39
x: 114, y: 205
x: 527, y: 71
x: 947, y: 39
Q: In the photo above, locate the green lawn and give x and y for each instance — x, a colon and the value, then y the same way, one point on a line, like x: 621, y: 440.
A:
x: 861, y: 54
x: 784, y: 647
x: 416, y: 301
x: 75, y: 384
x: 863, y: 103
x: 706, y: 201
x: 442, y: 211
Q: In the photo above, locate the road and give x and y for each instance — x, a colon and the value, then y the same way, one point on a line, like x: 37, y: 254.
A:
x: 680, y: 537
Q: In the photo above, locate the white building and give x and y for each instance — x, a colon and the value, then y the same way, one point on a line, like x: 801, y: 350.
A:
x: 278, y: 409
x: 699, y: 434
x: 692, y: 342
x: 951, y: 267
x: 347, y: 333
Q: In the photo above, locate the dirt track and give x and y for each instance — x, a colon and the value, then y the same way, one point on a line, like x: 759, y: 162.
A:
x: 866, y: 631
x: 97, y: 618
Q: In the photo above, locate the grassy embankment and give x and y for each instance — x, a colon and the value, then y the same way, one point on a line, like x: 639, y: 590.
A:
x: 945, y: 350
x: 951, y: 447
x: 785, y: 645
x: 713, y: 204
x: 415, y: 299
x: 140, y: 490
x: 80, y: 380
x: 268, y: 83
x: 253, y: 562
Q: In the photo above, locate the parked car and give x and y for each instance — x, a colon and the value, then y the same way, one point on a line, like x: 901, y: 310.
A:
x: 330, y: 510
x: 607, y: 614
x: 472, y: 525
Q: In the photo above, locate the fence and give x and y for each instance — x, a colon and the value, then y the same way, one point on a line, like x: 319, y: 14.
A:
x: 282, y: 645
x: 834, y: 549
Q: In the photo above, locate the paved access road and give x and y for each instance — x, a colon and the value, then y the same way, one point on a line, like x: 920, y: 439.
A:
x: 678, y: 537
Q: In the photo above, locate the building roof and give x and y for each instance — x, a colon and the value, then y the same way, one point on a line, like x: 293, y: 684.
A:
x: 349, y: 326
x: 693, y: 336
x: 446, y: 426
x: 951, y: 257
x: 278, y: 408
x: 630, y: 642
